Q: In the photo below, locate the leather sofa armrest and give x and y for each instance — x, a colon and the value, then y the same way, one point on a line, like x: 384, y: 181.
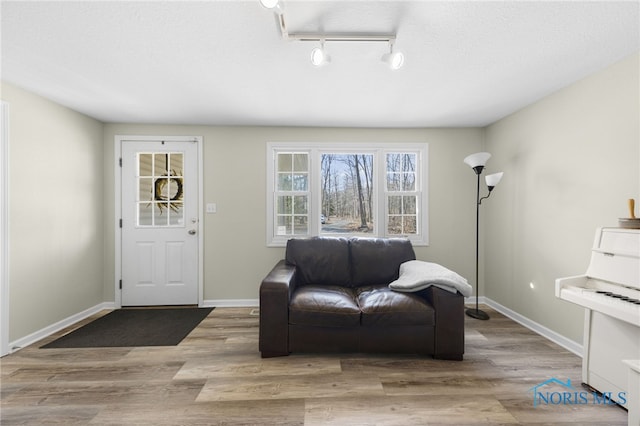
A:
x: 275, y: 293
x: 449, y: 330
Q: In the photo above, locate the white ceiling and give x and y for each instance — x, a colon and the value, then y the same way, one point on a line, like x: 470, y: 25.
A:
x: 225, y: 62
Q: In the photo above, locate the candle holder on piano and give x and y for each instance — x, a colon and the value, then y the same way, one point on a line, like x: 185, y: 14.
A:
x: 477, y: 162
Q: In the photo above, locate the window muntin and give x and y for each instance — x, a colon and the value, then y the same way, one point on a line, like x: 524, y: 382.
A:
x: 401, y: 171
x: 292, y: 193
x: 393, y: 190
x: 160, y: 183
x: 402, y: 192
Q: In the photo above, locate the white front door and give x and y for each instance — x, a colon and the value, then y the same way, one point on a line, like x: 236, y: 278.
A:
x: 159, y: 190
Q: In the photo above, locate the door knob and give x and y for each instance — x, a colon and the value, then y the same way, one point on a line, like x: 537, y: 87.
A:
x: 192, y: 232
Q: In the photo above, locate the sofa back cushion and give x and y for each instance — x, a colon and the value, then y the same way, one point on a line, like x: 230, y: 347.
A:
x: 320, y: 260
x: 377, y: 260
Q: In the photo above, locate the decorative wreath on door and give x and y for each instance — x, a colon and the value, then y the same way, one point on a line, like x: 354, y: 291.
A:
x: 175, y: 201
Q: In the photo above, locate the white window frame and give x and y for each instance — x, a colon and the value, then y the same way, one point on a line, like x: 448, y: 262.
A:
x: 293, y: 192
x: 380, y: 151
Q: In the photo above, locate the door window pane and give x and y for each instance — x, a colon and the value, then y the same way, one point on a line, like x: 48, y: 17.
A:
x: 159, y: 164
x: 145, y: 164
x: 160, y: 189
x: 176, y: 213
x: 145, y: 214
x: 176, y: 162
x: 145, y: 189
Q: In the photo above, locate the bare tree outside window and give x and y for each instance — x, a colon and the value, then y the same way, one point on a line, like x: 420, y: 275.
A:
x: 347, y: 193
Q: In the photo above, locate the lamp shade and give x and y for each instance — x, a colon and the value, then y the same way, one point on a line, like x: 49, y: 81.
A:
x: 478, y: 159
x: 493, y: 179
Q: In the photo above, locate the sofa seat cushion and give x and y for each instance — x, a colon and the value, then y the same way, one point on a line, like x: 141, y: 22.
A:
x: 382, y: 306
x: 324, y: 305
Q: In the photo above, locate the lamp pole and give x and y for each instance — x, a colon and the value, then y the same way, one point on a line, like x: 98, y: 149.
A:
x: 477, y: 313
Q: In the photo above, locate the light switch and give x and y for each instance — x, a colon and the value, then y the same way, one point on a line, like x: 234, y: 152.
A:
x: 212, y: 208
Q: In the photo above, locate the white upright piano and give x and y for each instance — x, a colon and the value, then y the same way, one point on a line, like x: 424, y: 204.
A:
x: 610, y: 294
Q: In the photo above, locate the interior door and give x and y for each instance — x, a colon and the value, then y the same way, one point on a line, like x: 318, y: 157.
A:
x: 159, y: 223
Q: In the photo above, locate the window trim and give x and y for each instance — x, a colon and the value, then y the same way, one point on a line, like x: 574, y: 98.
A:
x: 379, y: 150
x: 291, y: 193
x: 418, y: 193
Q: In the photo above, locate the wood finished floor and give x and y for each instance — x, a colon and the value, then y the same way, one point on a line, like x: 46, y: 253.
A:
x: 216, y: 377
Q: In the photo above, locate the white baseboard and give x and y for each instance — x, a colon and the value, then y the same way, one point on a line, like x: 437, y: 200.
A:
x: 568, y: 344
x: 53, y: 328
x: 230, y: 303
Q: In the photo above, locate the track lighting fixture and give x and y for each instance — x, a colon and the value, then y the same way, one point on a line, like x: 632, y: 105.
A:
x: 395, y: 60
x: 319, y: 55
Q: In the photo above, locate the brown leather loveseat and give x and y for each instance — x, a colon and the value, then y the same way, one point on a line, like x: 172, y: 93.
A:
x: 333, y: 295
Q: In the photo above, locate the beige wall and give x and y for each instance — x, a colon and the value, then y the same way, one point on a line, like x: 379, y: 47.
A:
x: 56, y: 210
x: 571, y: 161
x: 235, y: 252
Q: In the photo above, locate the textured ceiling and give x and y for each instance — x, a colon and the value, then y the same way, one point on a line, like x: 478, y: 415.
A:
x: 225, y: 62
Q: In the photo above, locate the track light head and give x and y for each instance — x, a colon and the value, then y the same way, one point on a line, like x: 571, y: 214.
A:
x: 275, y: 5
x: 319, y: 56
x: 395, y: 60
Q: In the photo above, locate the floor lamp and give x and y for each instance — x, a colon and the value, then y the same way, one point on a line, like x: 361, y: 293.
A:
x: 477, y: 162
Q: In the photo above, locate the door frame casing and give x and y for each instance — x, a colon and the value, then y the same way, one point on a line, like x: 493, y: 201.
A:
x: 118, y: 141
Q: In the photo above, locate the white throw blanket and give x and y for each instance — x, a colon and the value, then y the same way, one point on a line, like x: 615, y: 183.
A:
x: 416, y: 275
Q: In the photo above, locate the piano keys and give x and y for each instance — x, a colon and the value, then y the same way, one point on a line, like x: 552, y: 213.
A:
x: 610, y: 293
x: 616, y: 301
